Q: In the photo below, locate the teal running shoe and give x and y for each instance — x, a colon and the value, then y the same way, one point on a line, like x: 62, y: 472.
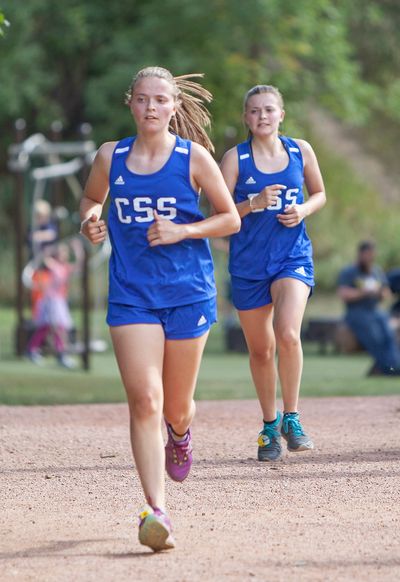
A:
x: 269, y: 441
x: 293, y: 433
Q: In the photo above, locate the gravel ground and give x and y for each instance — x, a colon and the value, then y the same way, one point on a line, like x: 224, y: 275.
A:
x: 69, y: 497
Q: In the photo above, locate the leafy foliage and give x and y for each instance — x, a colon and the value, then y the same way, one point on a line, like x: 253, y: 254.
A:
x: 73, y: 60
x: 3, y: 23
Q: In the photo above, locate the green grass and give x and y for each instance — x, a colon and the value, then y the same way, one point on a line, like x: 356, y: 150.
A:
x: 222, y: 375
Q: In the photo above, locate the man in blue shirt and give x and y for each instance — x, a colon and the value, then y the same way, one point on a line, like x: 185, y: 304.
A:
x: 362, y: 286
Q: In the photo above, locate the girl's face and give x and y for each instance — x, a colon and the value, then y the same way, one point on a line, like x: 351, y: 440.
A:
x: 263, y: 114
x: 152, y: 104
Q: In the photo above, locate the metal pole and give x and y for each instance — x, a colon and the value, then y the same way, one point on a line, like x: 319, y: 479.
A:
x: 58, y: 189
x: 86, y: 309
x: 20, y: 129
x: 85, y: 130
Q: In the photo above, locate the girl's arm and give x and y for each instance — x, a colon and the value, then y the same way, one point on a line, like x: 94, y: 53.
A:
x: 206, y: 175
x: 293, y: 215
x: 95, y: 195
x: 267, y: 197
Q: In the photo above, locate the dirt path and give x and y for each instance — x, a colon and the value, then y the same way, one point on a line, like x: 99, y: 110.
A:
x: 71, y: 496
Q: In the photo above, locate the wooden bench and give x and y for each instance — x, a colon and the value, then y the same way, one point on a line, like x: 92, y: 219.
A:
x: 331, y: 332
x: 328, y: 332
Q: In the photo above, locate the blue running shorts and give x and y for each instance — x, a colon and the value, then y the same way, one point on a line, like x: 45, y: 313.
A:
x: 250, y: 293
x: 183, y: 322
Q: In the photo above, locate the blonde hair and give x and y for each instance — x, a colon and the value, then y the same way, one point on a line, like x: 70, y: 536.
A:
x: 42, y: 207
x: 258, y: 89
x: 192, y: 116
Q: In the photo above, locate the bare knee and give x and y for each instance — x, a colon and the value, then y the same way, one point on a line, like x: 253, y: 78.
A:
x: 262, y: 355
x: 179, y: 417
x: 287, y: 339
x: 145, y: 405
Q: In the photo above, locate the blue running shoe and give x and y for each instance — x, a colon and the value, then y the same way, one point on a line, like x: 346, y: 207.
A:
x: 294, y: 435
x: 269, y: 441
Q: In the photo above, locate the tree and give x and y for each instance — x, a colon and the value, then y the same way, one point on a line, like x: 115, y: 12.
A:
x: 73, y: 60
x: 3, y: 23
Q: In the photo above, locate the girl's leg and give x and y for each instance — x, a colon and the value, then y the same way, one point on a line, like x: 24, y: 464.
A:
x: 139, y: 350
x: 182, y: 360
x: 258, y: 330
x: 38, y: 338
x: 59, y: 335
x: 290, y: 298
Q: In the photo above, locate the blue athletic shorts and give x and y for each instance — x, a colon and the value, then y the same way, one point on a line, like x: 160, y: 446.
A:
x: 250, y: 293
x: 183, y: 322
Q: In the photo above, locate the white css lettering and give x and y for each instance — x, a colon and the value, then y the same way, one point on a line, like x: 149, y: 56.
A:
x: 290, y: 200
x: 119, y: 202
x: 291, y: 196
x: 145, y: 213
x: 167, y: 211
x: 142, y: 206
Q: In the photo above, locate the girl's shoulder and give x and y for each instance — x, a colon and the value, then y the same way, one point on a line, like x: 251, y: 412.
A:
x: 106, y: 150
x: 236, y: 151
x: 303, y: 145
x: 229, y: 163
x: 299, y: 147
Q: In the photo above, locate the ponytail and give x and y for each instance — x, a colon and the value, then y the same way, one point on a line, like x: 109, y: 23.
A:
x: 192, y: 117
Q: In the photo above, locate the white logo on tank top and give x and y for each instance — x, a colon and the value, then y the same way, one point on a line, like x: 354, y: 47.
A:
x: 120, y: 181
x: 244, y: 156
x: 202, y: 320
x: 294, y: 149
x: 121, y: 150
x: 301, y: 271
x: 250, y: 180
x: 181, y: 150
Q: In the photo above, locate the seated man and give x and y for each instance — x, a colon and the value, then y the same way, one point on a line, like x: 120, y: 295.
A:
x: 362, y: 286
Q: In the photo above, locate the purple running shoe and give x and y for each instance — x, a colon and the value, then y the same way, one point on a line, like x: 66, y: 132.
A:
x: 155, y: 529
x: 178, y: 455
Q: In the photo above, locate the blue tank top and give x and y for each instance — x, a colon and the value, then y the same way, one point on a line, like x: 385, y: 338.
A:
x: 263, y: 246
x: 166, y: 275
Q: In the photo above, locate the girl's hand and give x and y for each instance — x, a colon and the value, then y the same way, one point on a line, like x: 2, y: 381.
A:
x: 267, y: 197
x: 94, y: 230
x: 164, y: 232
x: 293, y: 215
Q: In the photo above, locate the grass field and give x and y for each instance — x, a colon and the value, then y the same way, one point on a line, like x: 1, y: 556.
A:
x: 222, y: 375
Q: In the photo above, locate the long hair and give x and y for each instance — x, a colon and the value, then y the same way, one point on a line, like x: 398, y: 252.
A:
x: 192, y: 116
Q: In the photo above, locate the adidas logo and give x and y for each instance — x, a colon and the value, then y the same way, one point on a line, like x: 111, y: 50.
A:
x: 202, y: 320
x: 120, y: 181
x: 250, y: 180
x: 301, y: 271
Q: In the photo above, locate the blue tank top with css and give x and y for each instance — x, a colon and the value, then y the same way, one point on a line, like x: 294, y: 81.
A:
x: 263, y: 246
x: 166, y: 275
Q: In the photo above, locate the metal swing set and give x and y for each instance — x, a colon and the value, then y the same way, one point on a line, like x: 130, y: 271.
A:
x: 39, y: 164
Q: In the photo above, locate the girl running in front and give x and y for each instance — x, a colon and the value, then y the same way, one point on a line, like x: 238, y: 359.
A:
x: 162, y: 295
x: 270, y: 261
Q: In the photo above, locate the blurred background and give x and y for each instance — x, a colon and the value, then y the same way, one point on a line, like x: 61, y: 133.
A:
x: 64, y: 70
